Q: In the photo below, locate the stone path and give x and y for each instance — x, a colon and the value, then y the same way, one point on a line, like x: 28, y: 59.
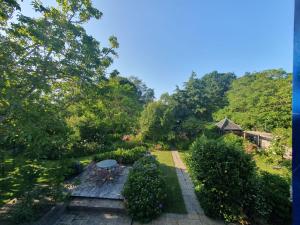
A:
x: 195, y: 212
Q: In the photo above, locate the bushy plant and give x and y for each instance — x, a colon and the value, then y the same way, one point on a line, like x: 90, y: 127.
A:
x: 123, y: 156
x: 276, y: 191
x: 144, y: 191
x: 160, y: 146
x: 233, y: 139
x: 29, y: 191
x: 83, y: 148
x: 70, y: 168
x: 224, y: 172
x: 211, y: 131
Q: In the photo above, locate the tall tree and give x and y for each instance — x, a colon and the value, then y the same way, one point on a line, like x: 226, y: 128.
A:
x: 260, y: 100
x: 38, y: 56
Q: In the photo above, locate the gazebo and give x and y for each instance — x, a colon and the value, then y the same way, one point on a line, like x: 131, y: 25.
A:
x: 228, y: 126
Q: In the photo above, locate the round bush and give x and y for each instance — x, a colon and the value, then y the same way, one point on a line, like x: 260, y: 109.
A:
x: 144, y: 190
x: 224, y: 173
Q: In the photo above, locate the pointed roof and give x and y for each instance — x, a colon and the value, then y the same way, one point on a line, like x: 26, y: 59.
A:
x: 227, y: 124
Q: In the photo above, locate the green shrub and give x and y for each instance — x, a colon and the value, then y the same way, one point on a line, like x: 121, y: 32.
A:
x: 82, y: 148
x: 268, y: 201
x: 28, y: 192
x: 233, y: 139
x: 224, y: 173
x: 123, y: 156
x: 276, y: 191
x: 70, y: 168
x: 257, y: 208
x: 144, y: 191
x: 160, y: 146
x: 211, y: 131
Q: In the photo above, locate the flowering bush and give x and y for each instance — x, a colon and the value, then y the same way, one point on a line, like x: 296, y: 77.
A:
x: 144, y: 190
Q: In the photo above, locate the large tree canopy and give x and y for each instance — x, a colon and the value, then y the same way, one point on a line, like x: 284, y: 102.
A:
x: 260, y: 101
x: 54, y: 88
x: 188, y: 108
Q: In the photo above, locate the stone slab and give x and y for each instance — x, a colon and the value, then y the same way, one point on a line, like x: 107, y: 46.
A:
x: 91, y: 186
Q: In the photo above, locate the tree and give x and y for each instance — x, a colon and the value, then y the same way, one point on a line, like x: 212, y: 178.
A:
x: 38, y: 57
x: 260, y: 100
x: 156, y: 121
x: 146, y: 94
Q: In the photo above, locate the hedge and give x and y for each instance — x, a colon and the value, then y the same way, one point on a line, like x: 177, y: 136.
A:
x: 123, y: 156
x: 230, y: 187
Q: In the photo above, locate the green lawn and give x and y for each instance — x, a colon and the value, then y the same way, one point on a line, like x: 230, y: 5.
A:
x: 175, y: 202
x: 273, y: 165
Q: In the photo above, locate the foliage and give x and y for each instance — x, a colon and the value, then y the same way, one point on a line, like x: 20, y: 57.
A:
x: 202, y: 97
x: 155, y: 122
x: 40, y: 56
x: 160, y: 146
x: 273, y: 164
x: 282, y: 139
x: 260, y: 100
x: 233, y: 139
x: 229, y: 186
x: 269, y: 200
x: 57, y: 100
x: 180, y: 117
x: 144, y: 191
x: 146, y: 94
x: 28, y: 193
x: 124, y: 156
x: 224, y: 173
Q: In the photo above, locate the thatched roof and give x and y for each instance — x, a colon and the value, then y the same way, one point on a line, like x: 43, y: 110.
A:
x: 227, y: 125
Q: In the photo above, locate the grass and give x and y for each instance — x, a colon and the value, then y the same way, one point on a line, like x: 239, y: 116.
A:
x: 175, y: 202
x: 273, y: 165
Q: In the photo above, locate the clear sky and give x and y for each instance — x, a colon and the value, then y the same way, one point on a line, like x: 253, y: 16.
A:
x: 163, y: 41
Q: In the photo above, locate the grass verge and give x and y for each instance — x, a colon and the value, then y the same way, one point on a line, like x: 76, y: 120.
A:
x: 175, y: 202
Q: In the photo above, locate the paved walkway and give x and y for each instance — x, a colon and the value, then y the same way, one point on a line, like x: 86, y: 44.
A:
x: 195, y: 212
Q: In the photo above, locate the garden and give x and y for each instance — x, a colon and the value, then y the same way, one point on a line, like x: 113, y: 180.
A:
x: 63, y: 108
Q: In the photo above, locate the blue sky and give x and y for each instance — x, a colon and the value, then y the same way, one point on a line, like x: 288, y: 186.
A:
x: 162, y: 42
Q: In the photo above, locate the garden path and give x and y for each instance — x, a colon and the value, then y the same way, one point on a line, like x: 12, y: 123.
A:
x: 195, y: 212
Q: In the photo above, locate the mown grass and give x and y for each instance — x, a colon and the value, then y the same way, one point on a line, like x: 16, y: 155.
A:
x: 175, y: 202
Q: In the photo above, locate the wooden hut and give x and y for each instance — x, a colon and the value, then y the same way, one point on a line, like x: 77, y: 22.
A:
x: 228, y: 126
